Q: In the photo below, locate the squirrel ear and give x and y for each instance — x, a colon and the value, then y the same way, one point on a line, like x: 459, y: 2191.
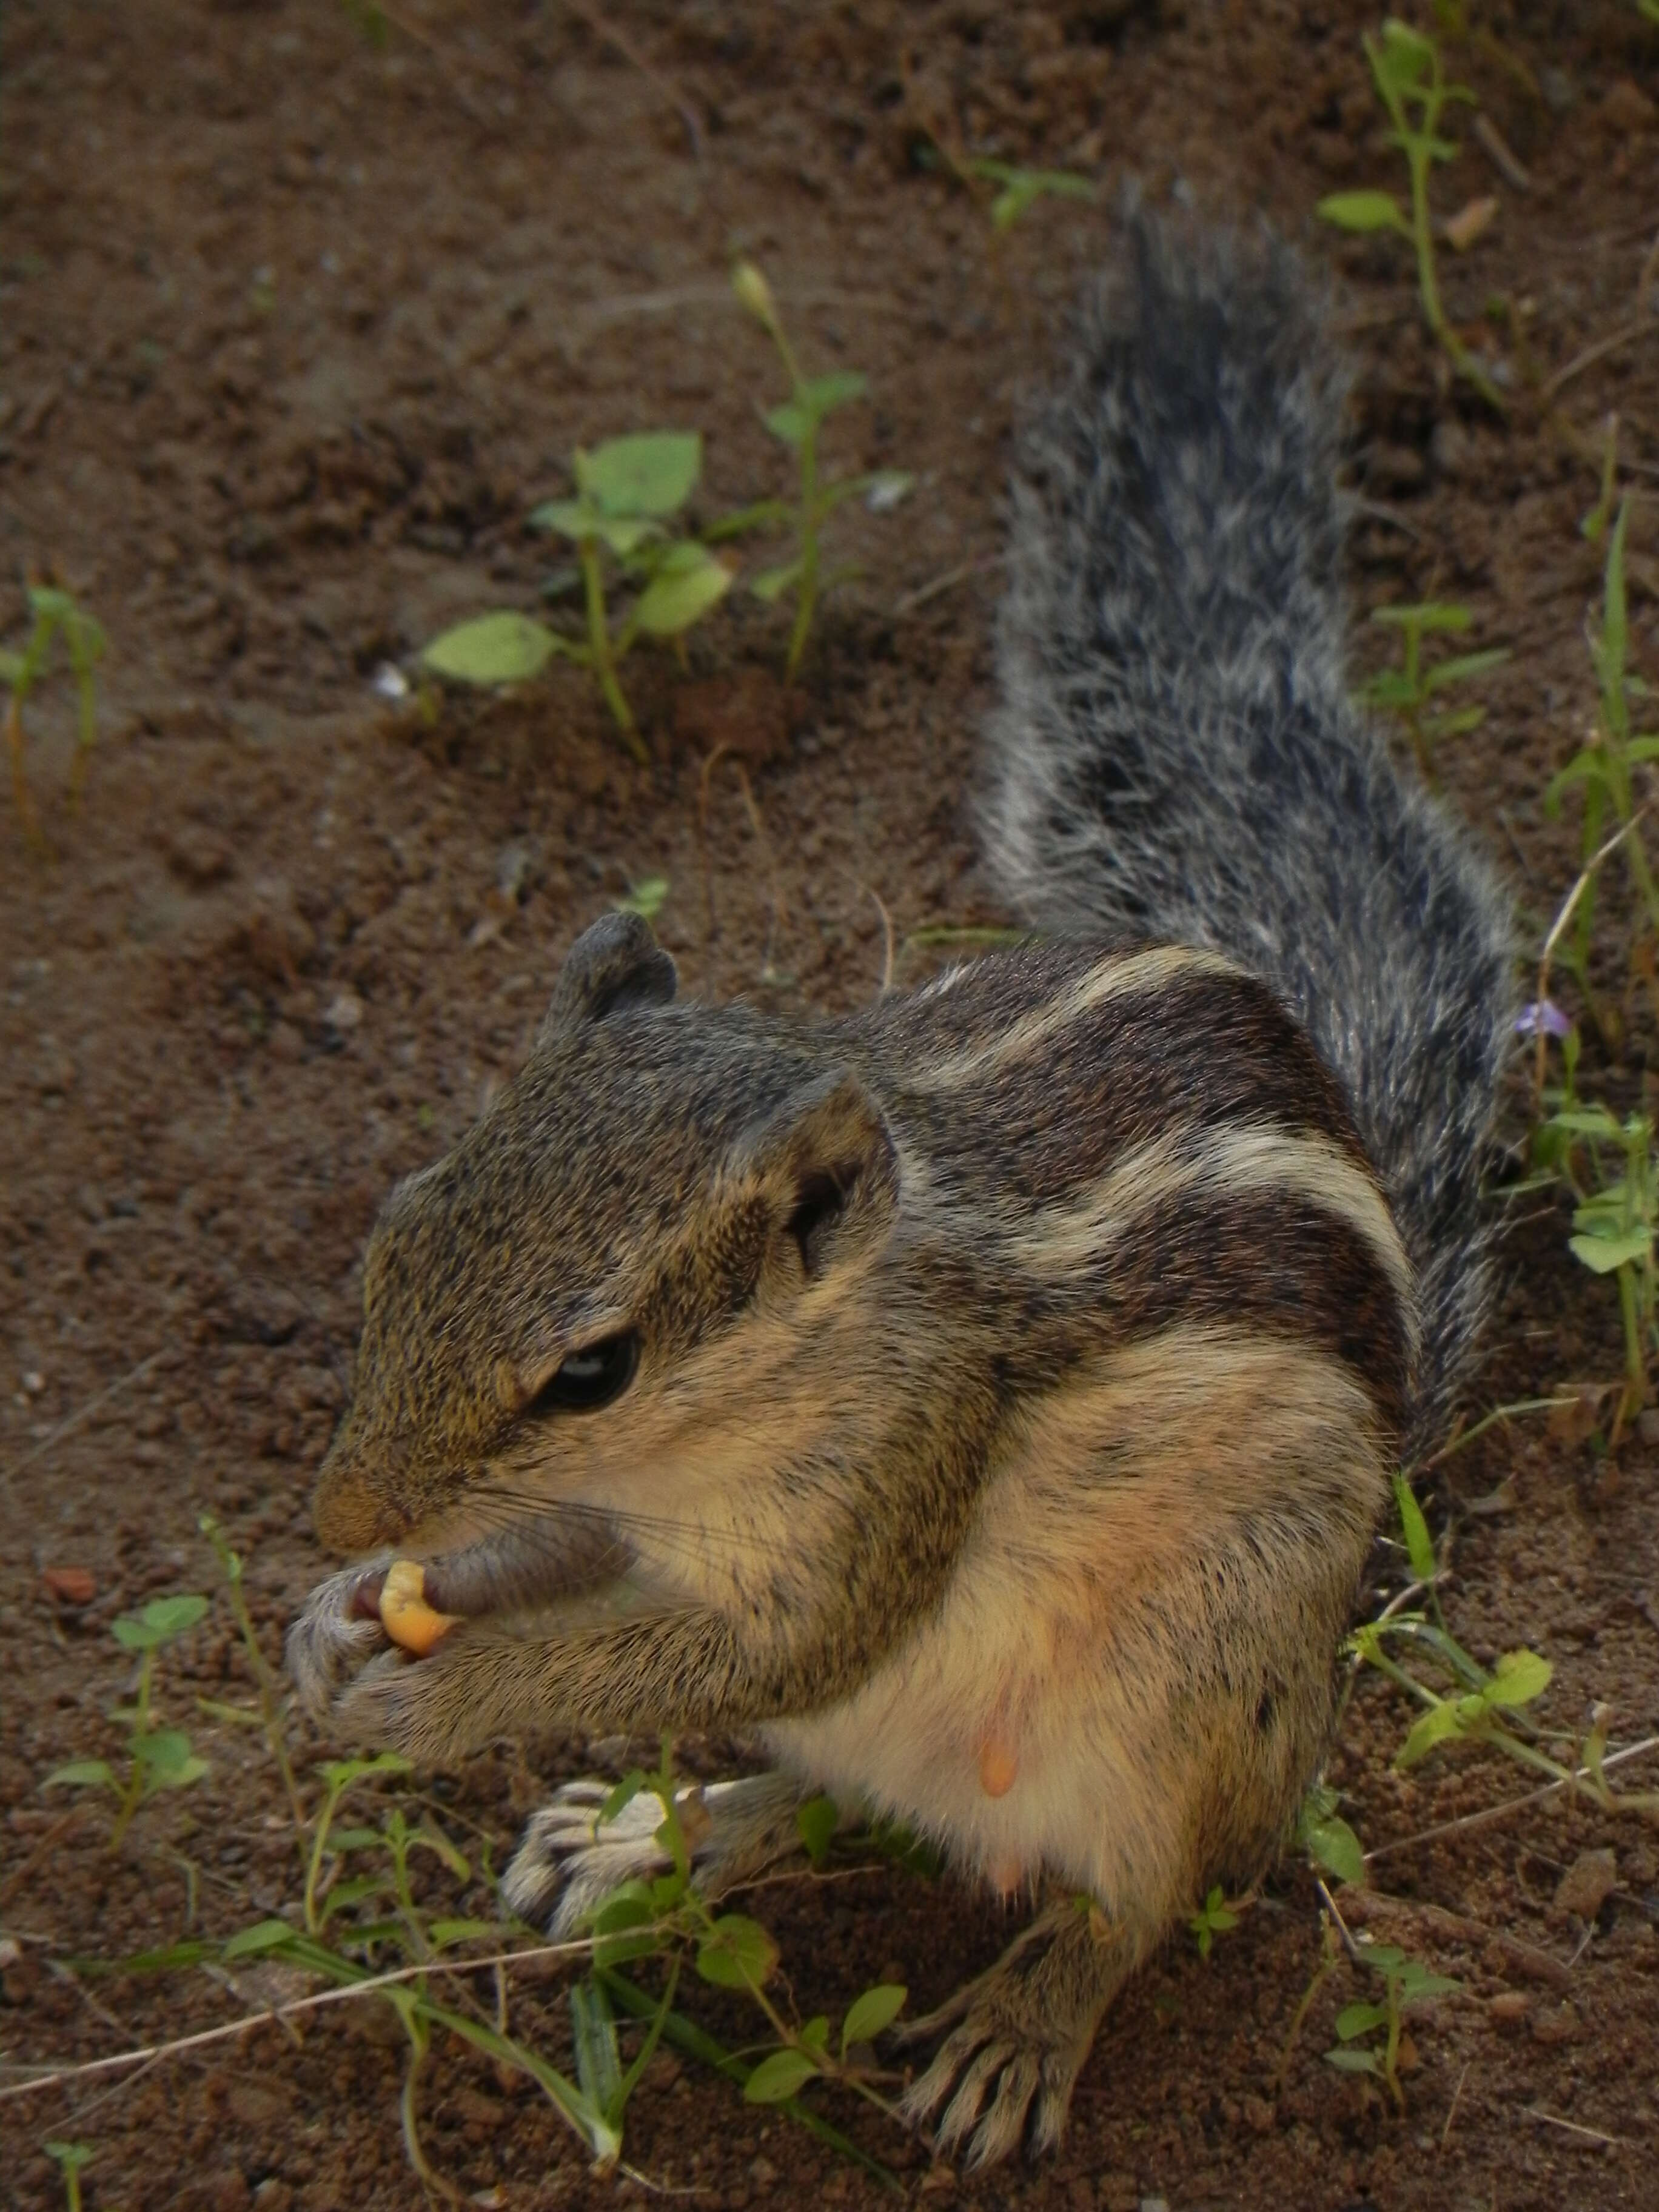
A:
x: 616, y: 963
x: 827, y: 1163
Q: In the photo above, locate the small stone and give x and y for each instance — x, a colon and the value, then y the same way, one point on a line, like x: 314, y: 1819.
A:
x: 1557, y: 2024
x: 69, y: 1585
x: 1587, y: 1883
x: 344, y: 1012
x: 1509, y: 2007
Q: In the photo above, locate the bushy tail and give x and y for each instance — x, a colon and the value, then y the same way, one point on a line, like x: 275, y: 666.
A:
x: 1176, y: 755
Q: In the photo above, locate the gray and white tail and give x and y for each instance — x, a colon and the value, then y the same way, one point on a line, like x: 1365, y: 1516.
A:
x: 1176, y: 755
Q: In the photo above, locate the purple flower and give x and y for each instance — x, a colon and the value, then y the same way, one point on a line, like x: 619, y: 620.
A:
x: 1542, y: 1014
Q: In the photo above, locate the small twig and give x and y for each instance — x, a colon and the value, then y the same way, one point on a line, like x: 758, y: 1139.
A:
x: 1644, y: 282
x: 78, y: 1419
x: 887, y: 930
x: 1573, y: 2128
x: 1492, y: 1813
x: 1613, y: 342
x: 1451, y: 2109
x: 1587, y: 876
x: 274, y: 2015
x: 664, y: 86
x: 947, y: 582
x: 1500, y: 154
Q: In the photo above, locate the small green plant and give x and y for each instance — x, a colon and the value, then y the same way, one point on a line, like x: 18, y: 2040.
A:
x: 796, y: 422
x: 667, y: 1917
x: 646, y: 897
x: 626, y: 491
x: 1410, y: 690
x: 1604, y: 769
x: 1215, y: 1916
x: 1608, y: 1165
x: 56, y: 615
x: 1404, y: 1984
x: 158, y: 1758
x: 1326, y: 1837
x: 1406, y: 68
x: 1021, y: 189
x: 69, y: 2158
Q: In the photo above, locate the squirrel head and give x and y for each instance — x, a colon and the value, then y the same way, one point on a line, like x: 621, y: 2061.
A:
x: 635, y: 1268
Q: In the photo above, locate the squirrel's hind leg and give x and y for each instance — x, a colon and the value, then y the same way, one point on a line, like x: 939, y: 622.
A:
x: 1018, y: 2036
x: 570, y: 1860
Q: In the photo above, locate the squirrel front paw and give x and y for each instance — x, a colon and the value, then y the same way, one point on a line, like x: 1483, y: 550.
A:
x: 570, y: 1860
x: 333, y: 1639
x: 1018, y: 2039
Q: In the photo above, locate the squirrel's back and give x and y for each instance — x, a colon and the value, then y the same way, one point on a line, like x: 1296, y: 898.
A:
x: 1177, y: 756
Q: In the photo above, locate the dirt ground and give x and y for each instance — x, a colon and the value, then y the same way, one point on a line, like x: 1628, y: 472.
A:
x: 295, y: 328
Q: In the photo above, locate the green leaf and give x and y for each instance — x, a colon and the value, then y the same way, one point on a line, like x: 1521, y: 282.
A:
x: 1333, y: 1844
x: 629, y: 1906
x: 645, y: 898
x: 1462, y: 667
x: 772, y: 583
x: 82, y: 1774
x: 442, y: 1933
x: 652, y: 473
x: 867, y: 2015
x: 571, y: 518
x: 815, y: 1822
x: 1419, y: 1546
x: 1518, y: 1678
x: 737, y: 1953
x: 498, y: 648
x: 1416, y: 1984
x: 1424, y: 615
x: 815, y: 2036
x: 1360, y: 2019
x: 622, y: 1797
x: 690, y: 581
x: 1354, y: 2062
x: 167, y: 1758
x: 1603, y: 1254
x: 162, y: 1619
x: 594, y: 2033
x: 263, y: 1935
x: 12, y: 666
x: 777, y: 2077
x: 1436, y: 1725
x: 1365, y: 211
x: 816, y: 397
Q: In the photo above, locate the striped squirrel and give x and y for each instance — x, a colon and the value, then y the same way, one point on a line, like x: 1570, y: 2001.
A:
x: 987, y: 1398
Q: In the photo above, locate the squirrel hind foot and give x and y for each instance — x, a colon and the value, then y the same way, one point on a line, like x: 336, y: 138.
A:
x: 1018, y: 2039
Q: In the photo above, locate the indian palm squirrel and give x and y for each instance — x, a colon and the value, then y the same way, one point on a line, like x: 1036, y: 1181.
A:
x: 988, y: 1399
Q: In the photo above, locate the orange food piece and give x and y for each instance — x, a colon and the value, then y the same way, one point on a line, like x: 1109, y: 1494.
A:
x: 997, y: 1765
x: 413, y: 1626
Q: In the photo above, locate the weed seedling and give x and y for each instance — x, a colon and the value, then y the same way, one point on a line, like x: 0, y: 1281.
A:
x: 1613, y: 1222
x: 796, y: 422
x: 1020, y: 188
x: 56, y: 615
x: 626, y: 490
x: 1215, y: 1916
x: 1409, y: 690
x: 1406, y: 68
x: 1604, y: 768
x: 157, y: 1758
x: 1404, y: 1984
x: 69, y: 2158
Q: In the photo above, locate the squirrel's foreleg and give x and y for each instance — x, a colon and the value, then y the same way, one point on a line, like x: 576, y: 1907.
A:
x: 681, y: 1670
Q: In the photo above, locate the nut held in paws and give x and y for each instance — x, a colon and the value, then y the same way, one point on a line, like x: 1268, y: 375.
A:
x: 406, y: 1617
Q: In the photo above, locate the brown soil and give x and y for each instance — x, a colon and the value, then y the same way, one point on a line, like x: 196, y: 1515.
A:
x: 295, y: 331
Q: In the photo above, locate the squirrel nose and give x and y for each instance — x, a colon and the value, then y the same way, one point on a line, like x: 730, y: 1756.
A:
x: 351, y: 1513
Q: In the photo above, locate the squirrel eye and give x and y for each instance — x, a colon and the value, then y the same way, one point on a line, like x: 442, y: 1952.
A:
x: 589, y: 1378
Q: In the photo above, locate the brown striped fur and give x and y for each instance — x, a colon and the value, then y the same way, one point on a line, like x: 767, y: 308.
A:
x: 1013, y: 1370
